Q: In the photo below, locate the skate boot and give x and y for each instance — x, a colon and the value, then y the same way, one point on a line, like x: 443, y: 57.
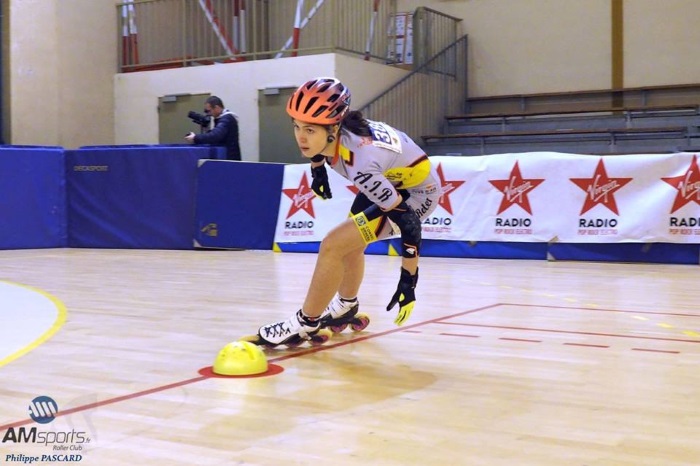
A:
x: 291, y: 332
x: 343, y: 312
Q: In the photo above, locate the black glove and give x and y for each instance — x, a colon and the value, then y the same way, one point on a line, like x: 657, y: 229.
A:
x: 319, y: 182
x: 405, y: 296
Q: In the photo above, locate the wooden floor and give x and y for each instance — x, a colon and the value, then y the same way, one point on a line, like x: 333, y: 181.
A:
x: 503, y: 362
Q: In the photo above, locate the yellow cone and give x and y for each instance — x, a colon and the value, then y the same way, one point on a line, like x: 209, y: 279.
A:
x: 240, y: 358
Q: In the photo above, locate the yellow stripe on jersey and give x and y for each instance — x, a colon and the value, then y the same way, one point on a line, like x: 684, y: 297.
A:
x: 409, y: 177
x: 345, y: 154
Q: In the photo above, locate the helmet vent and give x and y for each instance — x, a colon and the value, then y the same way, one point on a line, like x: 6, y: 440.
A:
x: 299, y: 100
x: 320, y: 110
x: 321, y: 101
x: 310, y: 104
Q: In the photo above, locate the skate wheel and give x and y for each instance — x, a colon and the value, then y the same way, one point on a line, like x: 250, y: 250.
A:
x: 321, y: 337
x: 338, y: 328
x: 294, y: 343
x: 360, y: 322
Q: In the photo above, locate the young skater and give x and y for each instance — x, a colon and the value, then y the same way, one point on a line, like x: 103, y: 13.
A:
x: 398, y: 189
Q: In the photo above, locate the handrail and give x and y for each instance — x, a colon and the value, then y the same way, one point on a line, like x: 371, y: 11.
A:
x: 439, y: 13
x: 417, y: 103
x: 155, y: 33
x: 432, y: 32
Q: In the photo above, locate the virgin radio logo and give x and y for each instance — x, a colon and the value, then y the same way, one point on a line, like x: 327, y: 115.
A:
x: 515, y: 190
x: 436, y: 223
x: 43, y: 409
x: 448, y: 188
x: 600, y: 189
x: 687, y: 186
x: 302, y: 198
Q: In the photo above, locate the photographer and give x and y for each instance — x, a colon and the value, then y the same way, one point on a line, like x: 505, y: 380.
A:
x: 225, y: 131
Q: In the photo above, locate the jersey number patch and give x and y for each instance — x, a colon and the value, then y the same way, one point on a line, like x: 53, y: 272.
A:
x: 384, y: 136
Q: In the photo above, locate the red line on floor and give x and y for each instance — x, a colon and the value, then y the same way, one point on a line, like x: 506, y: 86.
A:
x: 375, y: 335
x: 655, y: 350
x: 575, y: 308
x: 571, y: 332
x: 295, y: 354
x: 587, y: 345
x: 521, y: 339
x: 459, y: 335
x: 112, y: 400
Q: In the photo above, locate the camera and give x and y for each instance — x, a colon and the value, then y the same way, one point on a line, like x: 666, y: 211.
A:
x: 201, y: 120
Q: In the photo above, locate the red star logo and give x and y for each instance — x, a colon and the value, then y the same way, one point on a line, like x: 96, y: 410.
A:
x: 301, y: 198
x: 448, y: 186
x: 515, y: 190
x: 600, y: 189
x: 688, y: 186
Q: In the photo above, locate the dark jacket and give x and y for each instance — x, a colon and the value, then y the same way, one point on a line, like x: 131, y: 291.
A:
x: 225, y: 133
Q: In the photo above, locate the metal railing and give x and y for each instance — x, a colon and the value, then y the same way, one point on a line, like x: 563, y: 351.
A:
x: 432, y: 32
x: 171, y: 33
x: 159, y: 34
x: 419, y: 102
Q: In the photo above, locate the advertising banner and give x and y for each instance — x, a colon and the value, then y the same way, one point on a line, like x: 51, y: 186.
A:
x: 529, y: 197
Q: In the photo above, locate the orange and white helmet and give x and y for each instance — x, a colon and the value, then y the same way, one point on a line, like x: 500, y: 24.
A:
x: 321, y: 101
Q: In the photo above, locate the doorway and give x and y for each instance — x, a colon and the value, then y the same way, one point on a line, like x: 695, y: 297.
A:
x: 277, y: 143
x: 173, y: 123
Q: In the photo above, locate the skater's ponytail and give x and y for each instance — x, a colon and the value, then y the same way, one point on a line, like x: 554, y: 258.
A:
x: 356, y: 123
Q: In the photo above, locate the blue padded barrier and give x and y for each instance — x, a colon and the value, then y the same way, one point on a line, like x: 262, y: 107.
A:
x: 237, y: 204
x: 215, y: 152
x: 378, y: 248
x: 27, y: 146
x: 144, y: 196
x: 439, y: 248
x: 311, y: 246
x: 662, y: 253
x: 482, y: 249
x: 132, y: 196
x: 32, y: 197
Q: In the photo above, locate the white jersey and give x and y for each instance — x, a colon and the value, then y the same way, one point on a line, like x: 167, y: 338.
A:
x: 387, y: 161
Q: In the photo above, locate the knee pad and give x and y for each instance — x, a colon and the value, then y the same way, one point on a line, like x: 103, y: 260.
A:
x: 409, y: 223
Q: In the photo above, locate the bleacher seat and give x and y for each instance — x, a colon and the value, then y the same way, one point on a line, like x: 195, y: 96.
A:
x: 573, y: 122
